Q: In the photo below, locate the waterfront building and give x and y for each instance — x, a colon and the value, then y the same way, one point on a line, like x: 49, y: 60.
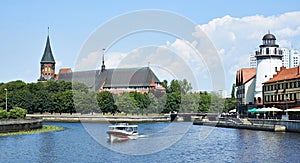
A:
x: 47, y: 64
x: 283, y: 90
x: 245, y: 85
x: 268, y: 62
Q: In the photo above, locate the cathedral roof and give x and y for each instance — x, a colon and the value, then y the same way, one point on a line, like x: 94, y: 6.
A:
x: 113, y: 78
x: 48, y: 56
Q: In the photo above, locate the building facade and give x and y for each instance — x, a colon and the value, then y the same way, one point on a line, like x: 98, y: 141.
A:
x: 283, y: 90
x: 245, y: 85
x: 268, y: 62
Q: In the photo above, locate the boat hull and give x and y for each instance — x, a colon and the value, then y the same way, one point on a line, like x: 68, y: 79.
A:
x: 120, y: 136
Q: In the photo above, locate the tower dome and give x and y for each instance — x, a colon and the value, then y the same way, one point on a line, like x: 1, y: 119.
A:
x: 269, y: 40
x: 269, y: 37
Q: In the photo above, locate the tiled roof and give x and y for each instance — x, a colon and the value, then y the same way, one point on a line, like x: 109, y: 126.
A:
x: 285, y: 74
x: 244, y: 75
x: 48, y: 56
x: 112, y: 78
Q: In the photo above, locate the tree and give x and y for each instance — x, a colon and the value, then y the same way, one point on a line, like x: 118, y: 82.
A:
x: 153, y: 106
x: 165, y: 85
x: 106, y: 102
x: 172, y: 103
x: 233, y: 91
x: 185, y: 86
x: 189, y: 102
x: 204, y: 102
x: 174, y: 87
x: 85, y: 102
x: 125, y: 104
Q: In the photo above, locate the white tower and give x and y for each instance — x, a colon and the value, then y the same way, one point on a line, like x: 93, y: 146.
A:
x: 268, y: 62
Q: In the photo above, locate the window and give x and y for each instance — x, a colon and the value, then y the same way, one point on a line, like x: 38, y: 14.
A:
x: 267, y: 50
x: 278, y: 97
x: 295, y: 96
x: 291, y: 85
x: 275, y: 69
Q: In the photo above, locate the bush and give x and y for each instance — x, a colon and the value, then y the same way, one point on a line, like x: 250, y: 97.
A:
x: 4, y: 114
x: 17, y: 113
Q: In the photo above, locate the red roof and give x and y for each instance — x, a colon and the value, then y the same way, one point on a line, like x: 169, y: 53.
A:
x: 244, y: 75
x: 285, y: 74
x: 65, y: 70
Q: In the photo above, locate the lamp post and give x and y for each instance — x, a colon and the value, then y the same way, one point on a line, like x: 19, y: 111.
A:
x: 5, y: 98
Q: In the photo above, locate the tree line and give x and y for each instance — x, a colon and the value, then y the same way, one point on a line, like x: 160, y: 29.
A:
x: 66, y: 97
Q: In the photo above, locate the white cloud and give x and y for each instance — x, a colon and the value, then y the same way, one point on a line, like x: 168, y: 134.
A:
x: 88, y: 62
x: 235, y: 38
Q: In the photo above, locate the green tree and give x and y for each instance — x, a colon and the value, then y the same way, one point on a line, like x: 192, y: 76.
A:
x: 233, y: 91
x: 185, y: 86
x: 17, y: 113
x: 174, y: 87
x: 172, y: 103
x: 106, y: 102
x: 86, y: 102
x: 204, y: 102
x: 125, y: 103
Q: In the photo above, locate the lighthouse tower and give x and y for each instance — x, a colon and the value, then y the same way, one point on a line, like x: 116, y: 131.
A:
x: 268, y: 62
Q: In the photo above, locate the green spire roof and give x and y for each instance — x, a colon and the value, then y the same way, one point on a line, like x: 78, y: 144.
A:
x: 48, y: 56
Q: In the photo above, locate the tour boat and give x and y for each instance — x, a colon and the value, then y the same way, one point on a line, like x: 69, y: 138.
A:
x: 122, y: 131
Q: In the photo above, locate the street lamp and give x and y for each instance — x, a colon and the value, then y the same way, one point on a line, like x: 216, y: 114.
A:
x: 5, y: 98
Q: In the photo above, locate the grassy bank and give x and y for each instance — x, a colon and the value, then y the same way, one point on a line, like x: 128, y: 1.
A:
x: 46, y: 128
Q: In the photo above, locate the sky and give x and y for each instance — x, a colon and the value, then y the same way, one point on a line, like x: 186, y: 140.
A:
x: 234, y: 29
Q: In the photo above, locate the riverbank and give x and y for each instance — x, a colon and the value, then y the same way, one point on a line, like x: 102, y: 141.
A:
x: 98, y: 118
x: 276, y: 125
x: 45, y: 128
x: 13, y: 125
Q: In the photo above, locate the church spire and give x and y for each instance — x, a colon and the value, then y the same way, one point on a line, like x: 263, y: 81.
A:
x: 103, y: 65
x: 48, y: 56
x: 47, y: 71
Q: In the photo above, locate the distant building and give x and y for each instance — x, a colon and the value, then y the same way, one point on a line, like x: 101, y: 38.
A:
x: 112, y: 80
x: 294, y: 58
x: 119, y: 80
x: 252, y: 61
x: 47, y: 70
x: 285, y: 57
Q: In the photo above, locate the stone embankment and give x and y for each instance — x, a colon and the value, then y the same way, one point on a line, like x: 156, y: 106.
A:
x: 98, y: 118
x: 20, y: 124
x: 246, y: 124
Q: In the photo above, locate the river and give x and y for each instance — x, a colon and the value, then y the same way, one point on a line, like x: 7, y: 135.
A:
x: 165, y: 142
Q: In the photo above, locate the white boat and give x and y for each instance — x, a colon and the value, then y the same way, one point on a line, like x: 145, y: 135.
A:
x: 122, y: 131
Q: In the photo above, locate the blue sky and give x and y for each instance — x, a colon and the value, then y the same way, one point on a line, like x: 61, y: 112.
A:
x: 24, y: 30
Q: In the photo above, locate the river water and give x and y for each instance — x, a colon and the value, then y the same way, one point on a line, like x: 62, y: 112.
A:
x: 165, y: 142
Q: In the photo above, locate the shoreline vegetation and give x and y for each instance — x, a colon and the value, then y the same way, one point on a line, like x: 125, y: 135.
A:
x: 44, y: 129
